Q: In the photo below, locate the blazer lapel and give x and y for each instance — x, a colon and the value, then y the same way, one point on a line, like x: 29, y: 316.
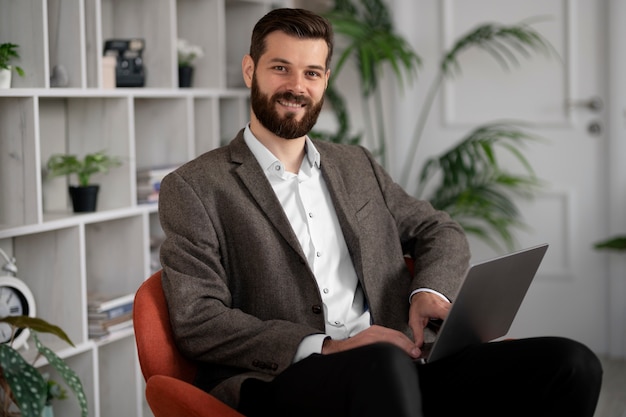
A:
x: 259, y: 187
x: 346, y: 212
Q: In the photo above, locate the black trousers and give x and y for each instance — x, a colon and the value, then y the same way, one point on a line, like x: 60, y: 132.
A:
x: 546, y: 376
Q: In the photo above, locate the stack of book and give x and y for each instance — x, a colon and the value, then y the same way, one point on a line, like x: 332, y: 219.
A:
x: 149, y: 183
x: 107, y: 314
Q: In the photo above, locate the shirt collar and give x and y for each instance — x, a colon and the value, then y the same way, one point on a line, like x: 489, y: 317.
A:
x: 267, y: 159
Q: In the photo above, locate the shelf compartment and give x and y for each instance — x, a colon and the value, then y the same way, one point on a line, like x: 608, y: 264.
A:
x: 80, y: 126
x: 150, y: 20
x: 30, y: 38
x: 118, y: 397
x: 234, y: 115
x: 200, y: 23
x: 162, y: 132
x: 206, y: 125
x: 240, y: 14
x: 66, y: 43
x: 49, y: 263
x: 19, y: 204
x: 115, y: 255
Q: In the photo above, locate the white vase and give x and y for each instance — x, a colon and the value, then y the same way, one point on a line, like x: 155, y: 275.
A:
x: 5, y: 78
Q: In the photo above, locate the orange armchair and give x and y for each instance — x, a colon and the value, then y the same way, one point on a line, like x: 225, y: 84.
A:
x: 168, y: 374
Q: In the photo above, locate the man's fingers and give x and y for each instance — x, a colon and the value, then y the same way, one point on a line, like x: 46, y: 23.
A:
x: 418, y: 334
x: 425, y: 306
x: 373, y: 334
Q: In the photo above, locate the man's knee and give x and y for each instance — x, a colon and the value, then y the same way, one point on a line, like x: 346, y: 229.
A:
x: 383, y: 357
x: 578, y: 362
x: 388, y: 379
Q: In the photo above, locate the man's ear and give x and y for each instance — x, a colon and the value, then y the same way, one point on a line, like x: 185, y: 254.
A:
x: 247, y: 69
x: 327, y: 78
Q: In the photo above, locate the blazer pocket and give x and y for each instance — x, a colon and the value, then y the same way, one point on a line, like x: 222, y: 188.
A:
x: 365, y: 210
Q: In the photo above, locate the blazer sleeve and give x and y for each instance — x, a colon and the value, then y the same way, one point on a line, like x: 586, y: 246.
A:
x: 437, y: 243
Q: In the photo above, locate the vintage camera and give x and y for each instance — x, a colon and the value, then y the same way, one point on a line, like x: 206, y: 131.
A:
x: 129, y: 70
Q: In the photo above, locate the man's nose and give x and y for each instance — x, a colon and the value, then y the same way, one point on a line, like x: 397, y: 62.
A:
x: 295, y: 83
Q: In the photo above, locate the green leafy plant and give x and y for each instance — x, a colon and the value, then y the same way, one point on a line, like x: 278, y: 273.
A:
x: 467, y: 180
x: 54, y: 390
x: 616, y: 243
x: 7, y: 54
x: 98, y: 162
x: 22, y: 383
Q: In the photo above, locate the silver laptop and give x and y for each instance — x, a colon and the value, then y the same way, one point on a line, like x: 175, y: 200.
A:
x: 486, y: 303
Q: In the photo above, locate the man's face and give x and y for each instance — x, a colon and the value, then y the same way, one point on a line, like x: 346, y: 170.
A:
x: 288, y: 84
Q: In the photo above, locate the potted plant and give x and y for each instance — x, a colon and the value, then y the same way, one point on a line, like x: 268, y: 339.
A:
x: 54, y: 391
x: 84, y: 195
x: 187, y: 54
x: 7, y: 54
x: 24, y: 387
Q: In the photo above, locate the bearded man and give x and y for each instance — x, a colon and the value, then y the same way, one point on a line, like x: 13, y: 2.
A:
x: 284, y: 271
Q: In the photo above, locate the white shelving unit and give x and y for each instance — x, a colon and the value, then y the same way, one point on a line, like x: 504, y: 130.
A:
x: 62, y: 256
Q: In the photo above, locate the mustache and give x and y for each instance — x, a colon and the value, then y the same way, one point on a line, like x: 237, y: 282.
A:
x: 298, y: 99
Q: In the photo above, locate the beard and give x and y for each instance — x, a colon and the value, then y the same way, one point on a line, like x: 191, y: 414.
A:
x: 286, y: 127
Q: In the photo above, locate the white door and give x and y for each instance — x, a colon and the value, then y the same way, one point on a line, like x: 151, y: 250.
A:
x: 569, y: 294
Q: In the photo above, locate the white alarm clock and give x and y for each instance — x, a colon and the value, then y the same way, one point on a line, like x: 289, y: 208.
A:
x: 16, y: 299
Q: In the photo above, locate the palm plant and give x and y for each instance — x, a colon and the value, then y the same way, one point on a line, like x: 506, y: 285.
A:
x: 373, y: 44
x: 501, y: 42
x: 474, y: 189
x: 472, y: 185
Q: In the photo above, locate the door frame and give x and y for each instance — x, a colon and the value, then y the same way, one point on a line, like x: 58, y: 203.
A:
x: 616, y: 175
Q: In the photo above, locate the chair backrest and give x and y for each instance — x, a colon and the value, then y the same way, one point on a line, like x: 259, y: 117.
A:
x: 158, y: 354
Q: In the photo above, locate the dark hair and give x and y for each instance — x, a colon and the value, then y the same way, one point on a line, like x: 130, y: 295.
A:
x: 300, y: 23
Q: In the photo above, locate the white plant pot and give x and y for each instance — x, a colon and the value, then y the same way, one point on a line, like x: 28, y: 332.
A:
x: 5, y: 78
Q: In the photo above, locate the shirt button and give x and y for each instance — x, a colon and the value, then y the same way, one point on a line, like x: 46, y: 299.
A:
x: 310, y: 215
x: 317, y: 309
x: 325, y: 290
x: 337, y: 323
x: 318, y: 254
x: 277, y: 167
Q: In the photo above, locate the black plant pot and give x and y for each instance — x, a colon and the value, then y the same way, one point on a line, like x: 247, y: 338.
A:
x: 185, y: 76
x: 84, y: 199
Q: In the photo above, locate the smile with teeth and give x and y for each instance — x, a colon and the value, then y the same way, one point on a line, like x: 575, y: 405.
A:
x: 291, y: 104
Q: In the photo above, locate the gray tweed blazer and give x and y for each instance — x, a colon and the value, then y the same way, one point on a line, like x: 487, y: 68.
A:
x: 240, y: 293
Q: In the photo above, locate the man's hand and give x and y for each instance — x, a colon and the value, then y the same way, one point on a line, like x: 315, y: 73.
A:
x: 373, y: 334
x: 425, y: 306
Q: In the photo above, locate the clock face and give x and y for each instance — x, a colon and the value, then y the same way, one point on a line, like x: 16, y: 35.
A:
x: 12, y: 303
x: 15, y: 300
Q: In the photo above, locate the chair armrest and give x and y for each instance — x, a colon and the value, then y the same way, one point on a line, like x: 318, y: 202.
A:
x: 170, y: 397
